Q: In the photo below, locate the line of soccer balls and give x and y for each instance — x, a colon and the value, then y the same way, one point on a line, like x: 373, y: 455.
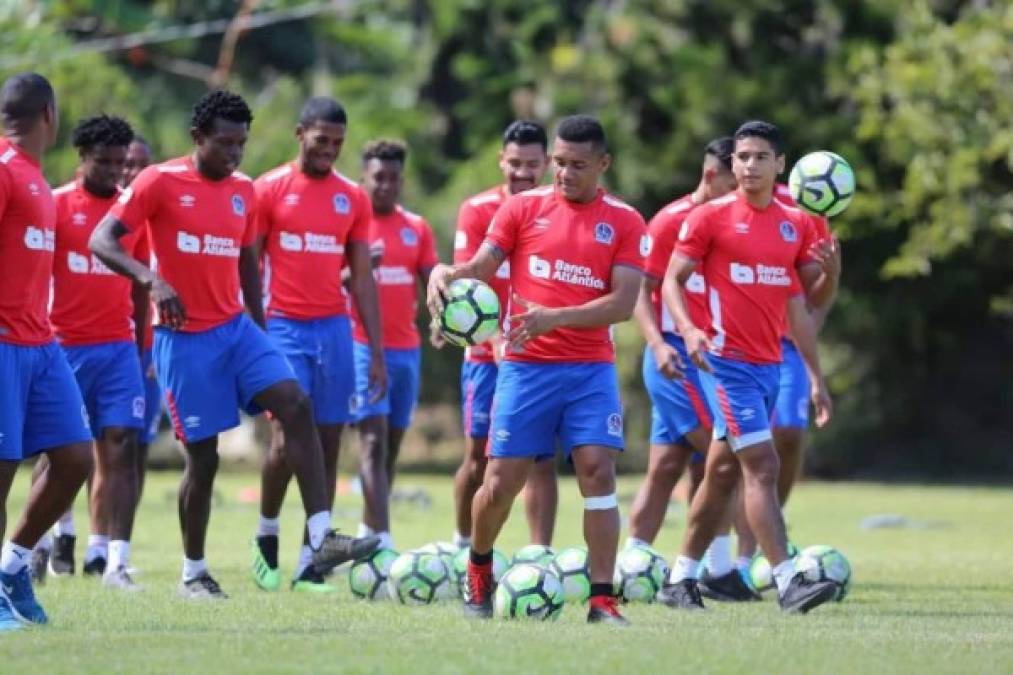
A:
x: 538, y: 582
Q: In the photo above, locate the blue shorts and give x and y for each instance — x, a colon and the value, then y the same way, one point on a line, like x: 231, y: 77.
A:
x: 152, y: 400
x: 40, y: 404
x: 478, y: 385
x: 109, y: 377
x: 320, y: 353
x: 792, y: 407
x: 742, y: 395
x: 402, y: 395
x: 207, y: 376
x: 540, y: 404
x: 678, y: 406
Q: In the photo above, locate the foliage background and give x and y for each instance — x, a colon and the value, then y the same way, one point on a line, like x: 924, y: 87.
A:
x: 917, y: 94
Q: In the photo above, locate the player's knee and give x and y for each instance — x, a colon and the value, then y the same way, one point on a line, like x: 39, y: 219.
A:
x: 763, y: 469
x: 500, y: 491
x: 667, y: 467
x: 74, y: 462
x: 202, y: 465
x: 598, y: 478
x: 294, y: 410
x: 723, y: 473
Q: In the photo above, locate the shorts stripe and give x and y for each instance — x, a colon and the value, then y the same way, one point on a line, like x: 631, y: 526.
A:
x: 726, y: 410
x: 699, y: 407
x: 177, y: 424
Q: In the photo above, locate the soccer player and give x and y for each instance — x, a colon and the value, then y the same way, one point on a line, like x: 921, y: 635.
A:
x: 312, y: 219
x: 210, y: 357
x: 407, y: 252
x: 523, y: 161
x: 41, y: 410
x: 680, y: 416
x: 576, y: 254
x: 759, y: 266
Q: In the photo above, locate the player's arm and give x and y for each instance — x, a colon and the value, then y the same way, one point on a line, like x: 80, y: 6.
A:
x: 615, y: 306
x: 482, y: 266
x: 828, y: 255
x: 673, y: 294
x: 106, y: 245
x: 362, y: 285
x: 669, y: 363
x: 139, y: 294
x: 249, y: 282
x: 804, y: 333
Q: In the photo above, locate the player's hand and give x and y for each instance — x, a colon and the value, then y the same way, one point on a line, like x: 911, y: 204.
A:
x: 436, y: 291
x: 828, y: 254
x: 697, y: 346
x: 377, y: 376
x: 436, y: 338
x: 171, y: 312
x: 822, y: 403
x: 535, y: 320
x: 669, y: 362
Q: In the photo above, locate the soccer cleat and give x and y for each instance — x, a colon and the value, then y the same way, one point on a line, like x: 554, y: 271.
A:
x: 683, y: 594
x: 61, y: 562
x: 39, y: 565
x: 95, y: 567
x: 605, y: 609
x: 120, y: 579
x: 202, y: 588
x: 478, y: 590
x: 265, y: 562
x: 311, y: 581
x: 8, y: 622
x: 801, y: 595
x: 727, y: 588
x: 18, y: 590
x: 338, y: 548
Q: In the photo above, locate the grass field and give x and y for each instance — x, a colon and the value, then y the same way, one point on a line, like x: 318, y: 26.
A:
x: 936, y: 598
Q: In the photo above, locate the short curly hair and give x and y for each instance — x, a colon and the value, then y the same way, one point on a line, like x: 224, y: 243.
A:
x: 101, y: 130
x: 385, y: 150
x: 220, y: 104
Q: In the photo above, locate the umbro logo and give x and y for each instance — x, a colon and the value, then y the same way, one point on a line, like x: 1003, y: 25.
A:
x: 192, y: 422
x: 79, y: 219
x: 541, y: 222
x: 8, y: 589
x: 34, y: 189
x: 291, y: 199
x: 187, y: 201
x: 742, y: 228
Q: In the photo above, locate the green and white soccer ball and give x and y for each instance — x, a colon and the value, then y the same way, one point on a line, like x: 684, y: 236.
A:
x: 528, y: 591
x: 367, y: 578
x: 471, y: 313
x: 570, y: 567
x: 640, y: 573
x: 459, y: 571
x: 825, y: 563
x: 446, y: 552
x: 536, y: 554
x: 761, y: 575
x: 822, y: 183
x: 418, y: 578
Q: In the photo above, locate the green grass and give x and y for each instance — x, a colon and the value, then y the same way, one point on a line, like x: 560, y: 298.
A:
x: 938, y: 599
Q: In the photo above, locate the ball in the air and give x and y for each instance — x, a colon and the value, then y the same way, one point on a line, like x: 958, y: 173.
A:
x: 825, y: 563
x: 418, y: 578
x: 570, y: 567
x: 530, y: 592
x: 640, y: 573
x: 822, y: 183
x: 536, y: 554
x: 367, y: 578
x: 470, y: 314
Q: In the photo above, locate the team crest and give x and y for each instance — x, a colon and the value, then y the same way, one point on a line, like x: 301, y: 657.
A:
x: 788, y: 232
x: 238, y: 206
x: 341, y: 203
x: 409, y: 237
x: 614, y: 424
x: 603, y: 233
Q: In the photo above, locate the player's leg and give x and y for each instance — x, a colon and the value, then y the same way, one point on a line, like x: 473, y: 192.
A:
x: 791, y: 418
x: 467, y: 480
x: 665, y: 465
x: 541, y: 500
x: 275, y: 475
x: 152, y: 418
x: 373, y: 439
x: 306, y: 578
x: 194, y: 505
x: 114, y: 493
x: 404, y: 397
x: 478, y: 385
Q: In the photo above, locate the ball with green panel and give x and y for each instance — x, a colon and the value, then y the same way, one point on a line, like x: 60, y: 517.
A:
x: 470, y: 313
x: 528, y: 591
x: 822, y: 183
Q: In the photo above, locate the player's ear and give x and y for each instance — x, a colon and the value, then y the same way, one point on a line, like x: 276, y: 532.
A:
x: 299, y: 131
x: 196, y: 135
x: 606, y: 161
x: 780, y: 164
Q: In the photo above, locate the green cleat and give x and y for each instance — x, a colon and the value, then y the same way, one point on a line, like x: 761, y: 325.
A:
x: 311, y: 581
x: 265, y: 563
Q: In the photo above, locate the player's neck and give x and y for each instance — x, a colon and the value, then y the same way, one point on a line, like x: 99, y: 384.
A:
x: 585, y: 198
x: 701, y: 194
x: 758, y: 200
x: 31, y: 144
x: 101, y: 193
x: 384, y: 210
x: 202, y: 169
x: 306, y: 169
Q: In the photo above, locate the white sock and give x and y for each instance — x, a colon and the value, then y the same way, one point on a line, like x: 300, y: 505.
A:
x: 743, y: 563
x: 684, y: 568
x: 318, y: 524
x: 45, y: 543
x: 461, y: 541
x: 386, y: 541
x: 268, y: 527
x: 65, y: 525
x: 98, y: 547
x: 305, y: 560
x: 14, y: 558
x: 783, y: 574
x: 364, y: 531
x: 633, y: 542
x: 119, y: 555
x: 719, y: 556
x: 194, y: 568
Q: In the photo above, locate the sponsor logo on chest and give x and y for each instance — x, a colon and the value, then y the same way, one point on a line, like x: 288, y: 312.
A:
x: 209, y: 244
x: 764, y: 275
x: 37, y: 239
x: 310, y: 242
x: 564, y: 272
x: 79, y: 263
x: 393, y: 275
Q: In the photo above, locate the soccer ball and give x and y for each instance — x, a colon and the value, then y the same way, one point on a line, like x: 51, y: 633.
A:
x: 418, y: 578
x: 459, y: 571
x: 446, y: 552
x: 761, y: 574
x: 570, y: 567
x: 822, y: 183
x: 528, y: 591
x: 825, y: 563
x: 471, y: 313
x: 640, y: 573
x: 535, y: 554
x: 368, y: 577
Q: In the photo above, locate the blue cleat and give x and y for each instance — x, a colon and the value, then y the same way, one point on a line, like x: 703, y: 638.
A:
x: 8, y: 622
x: 18, y: 590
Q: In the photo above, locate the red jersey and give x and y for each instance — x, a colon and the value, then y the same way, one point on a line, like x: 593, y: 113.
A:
x: 196, y: 227
x: 91, y: 303
x: 307, y: 223
x: 751, y: 256
x: 473, y: 220
x: 664, y: 231
x: 405, y: 242
x: 27, y: 240
x: 561, y: 254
